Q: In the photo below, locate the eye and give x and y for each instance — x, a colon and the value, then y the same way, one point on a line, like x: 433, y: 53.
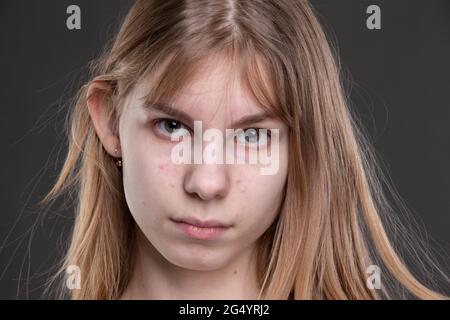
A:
x: 253, y: 137
x: 171, y: 127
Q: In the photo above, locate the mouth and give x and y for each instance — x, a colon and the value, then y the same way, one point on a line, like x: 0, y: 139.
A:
x: 205, y: 230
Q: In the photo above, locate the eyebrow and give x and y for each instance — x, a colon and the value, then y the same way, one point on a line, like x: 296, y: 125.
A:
x: 186, y: 118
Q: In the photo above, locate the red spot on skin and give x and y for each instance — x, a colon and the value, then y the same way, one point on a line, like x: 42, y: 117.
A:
x: 162, y: 167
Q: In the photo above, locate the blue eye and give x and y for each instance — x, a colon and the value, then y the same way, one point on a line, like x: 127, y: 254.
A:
x: 171, y: 127
x: 253, y: 136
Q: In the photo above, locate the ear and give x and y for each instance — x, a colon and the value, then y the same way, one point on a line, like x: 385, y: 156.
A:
x: 99, y: 115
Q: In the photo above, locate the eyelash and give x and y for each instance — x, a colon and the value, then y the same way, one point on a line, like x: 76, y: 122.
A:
x: 157, y: 122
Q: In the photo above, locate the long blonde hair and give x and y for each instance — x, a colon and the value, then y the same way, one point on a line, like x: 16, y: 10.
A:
x: 335, y: 217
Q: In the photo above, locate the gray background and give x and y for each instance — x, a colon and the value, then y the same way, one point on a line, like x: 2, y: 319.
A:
x: 398, y: 78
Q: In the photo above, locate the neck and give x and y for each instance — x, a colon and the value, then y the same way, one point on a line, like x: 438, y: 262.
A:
x: 154, y: 277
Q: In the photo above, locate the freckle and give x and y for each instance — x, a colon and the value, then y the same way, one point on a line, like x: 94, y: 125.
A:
x: 143, y: 203
x: 238, y: 181
x: 235, y: 272
x: 172, y: 186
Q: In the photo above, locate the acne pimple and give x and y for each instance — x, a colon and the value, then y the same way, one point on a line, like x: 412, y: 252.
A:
x: 162, y: 167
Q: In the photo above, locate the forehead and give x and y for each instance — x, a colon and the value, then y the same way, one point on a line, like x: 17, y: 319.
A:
x: 215, y: 90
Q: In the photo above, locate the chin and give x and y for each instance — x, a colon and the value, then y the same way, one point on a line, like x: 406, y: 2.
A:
x: 195, y: 262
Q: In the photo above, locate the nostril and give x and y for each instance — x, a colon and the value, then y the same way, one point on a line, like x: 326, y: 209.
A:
x: 206, y: 193
x: 207, y: 182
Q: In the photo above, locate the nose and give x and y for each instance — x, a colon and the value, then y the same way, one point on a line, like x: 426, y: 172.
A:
x: 207, y: 181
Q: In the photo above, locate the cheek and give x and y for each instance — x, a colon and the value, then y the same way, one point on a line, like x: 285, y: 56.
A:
x: 259, y: 190
x: 149, y: 177
x: 258, y: 197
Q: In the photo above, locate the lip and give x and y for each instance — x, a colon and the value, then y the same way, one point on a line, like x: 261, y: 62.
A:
x: 204, y: 230
x: 202, y: 224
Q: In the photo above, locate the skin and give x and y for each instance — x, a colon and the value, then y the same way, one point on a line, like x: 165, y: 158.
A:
x: 169, y: 263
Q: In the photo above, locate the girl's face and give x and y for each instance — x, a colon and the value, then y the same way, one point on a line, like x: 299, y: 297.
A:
x: 158, y: 190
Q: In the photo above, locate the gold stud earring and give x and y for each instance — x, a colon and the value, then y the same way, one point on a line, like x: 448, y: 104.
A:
x: 118, y: 160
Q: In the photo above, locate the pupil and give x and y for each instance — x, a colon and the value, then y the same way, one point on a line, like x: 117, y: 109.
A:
x: 172, y: 125
x: 252, y: 135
